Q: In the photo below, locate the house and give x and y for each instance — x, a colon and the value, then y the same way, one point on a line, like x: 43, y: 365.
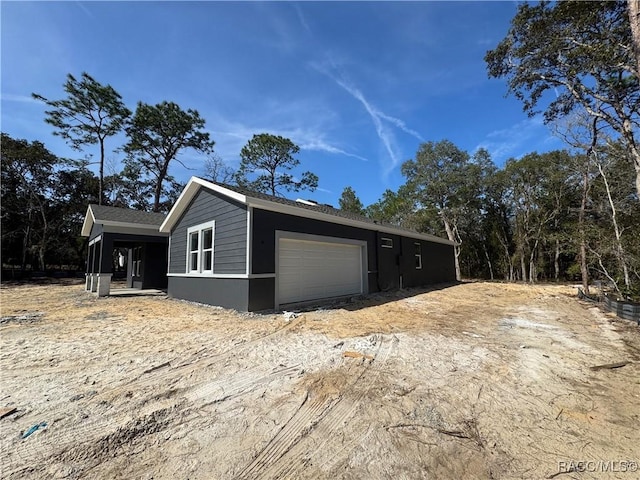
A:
x: 250, y: 251
x: 123, y: 236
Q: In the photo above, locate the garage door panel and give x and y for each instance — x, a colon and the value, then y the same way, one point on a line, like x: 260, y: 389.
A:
x: 311, y: 270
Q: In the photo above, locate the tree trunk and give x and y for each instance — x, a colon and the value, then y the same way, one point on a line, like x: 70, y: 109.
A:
x: 157, y: 192
x: 101, y: 179
x: 486, y: 254
x: 620, y: 253
x: 523, y: 265
x: 583, y: 241
x: 556, y: 262
x: 456, y: 248
x: 633, y: 8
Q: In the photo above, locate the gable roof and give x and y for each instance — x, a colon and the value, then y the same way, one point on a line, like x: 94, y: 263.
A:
x: 120, y: 217
x: 263, y: 201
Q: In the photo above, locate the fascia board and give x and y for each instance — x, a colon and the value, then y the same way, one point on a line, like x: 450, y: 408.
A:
x: 187, y: 195
x: 325, y: 217
x: 89, y: 220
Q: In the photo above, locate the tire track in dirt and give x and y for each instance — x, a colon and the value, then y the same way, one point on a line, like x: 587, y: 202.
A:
x: 53, y: 442
x: 287, y: 453
x: 159, y: 375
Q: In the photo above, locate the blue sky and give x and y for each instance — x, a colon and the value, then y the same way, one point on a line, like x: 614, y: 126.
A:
x: 358, y: 86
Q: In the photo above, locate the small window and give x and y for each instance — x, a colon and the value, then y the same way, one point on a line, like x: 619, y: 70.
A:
x: 200, y: 244
x: 418, y: 255
x: 386, y: 242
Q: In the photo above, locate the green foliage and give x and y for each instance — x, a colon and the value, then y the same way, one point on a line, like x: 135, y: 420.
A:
x: 89, y: 114
x: 349, y: 202
x: 42, y: 205
x: 157, y: 135
x: 393, y: 208
x: 574, y: 56
x: 265, y: 162
x: 447, y: 181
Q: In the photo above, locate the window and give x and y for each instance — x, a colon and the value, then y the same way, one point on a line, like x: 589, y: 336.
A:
x: 137, y: 261
x: 418, y: 255
x: 200, y: 248
x: 386, y: 242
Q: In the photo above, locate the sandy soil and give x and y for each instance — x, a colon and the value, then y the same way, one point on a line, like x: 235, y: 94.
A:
x: 479, y: 380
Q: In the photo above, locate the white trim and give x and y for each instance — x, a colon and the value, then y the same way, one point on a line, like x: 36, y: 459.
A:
x: 418, y: 256
x: 283, y: 234
x: 222, y: 275
x: 200, y: 229
x: 187, y: 195
x: 196, y: 183
x: 142, y: 226
x: 95, y: 240
x: 169, y: 255
x: 382, y: 245
x: 87, y: 224
x: 248, y: 259
x: 326, y: 217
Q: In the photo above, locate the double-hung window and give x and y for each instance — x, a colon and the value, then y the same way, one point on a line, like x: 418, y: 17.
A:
x: 200, y: 248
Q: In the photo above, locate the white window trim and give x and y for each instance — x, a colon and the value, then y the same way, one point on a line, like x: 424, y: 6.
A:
x: 419, y: 256
x: 386, y: 239
x: 200, y: 228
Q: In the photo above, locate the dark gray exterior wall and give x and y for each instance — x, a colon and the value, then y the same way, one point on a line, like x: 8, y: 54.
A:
x: 266, y: 223
x: 438, y: 264
x: 385, y: 265
x: 230, y: 238
x: 154, y: 261
x: 224, y: 292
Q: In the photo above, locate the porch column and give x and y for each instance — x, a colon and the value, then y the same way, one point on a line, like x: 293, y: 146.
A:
x: 87, y: 280
x: 103, y: 284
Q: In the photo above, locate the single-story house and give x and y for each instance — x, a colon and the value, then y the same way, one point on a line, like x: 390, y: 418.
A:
x: 125, y: 237
x: 251, y: 251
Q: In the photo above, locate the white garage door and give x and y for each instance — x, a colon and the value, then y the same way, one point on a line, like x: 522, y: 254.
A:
x: 310, y: 270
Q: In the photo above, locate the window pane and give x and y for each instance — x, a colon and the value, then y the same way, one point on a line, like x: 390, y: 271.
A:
x: 207, y: 259
x: 194, y: 241
x: 194, y: 261
x: 207, y: 238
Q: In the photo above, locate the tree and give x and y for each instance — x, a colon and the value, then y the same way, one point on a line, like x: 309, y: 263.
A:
x: 582, y: 52
x: 349, y: 202
x: 268, y: 159
x: 633, y: 8
x: 27, y: 178
x: 157, y: 135
x: 446, y: 179
x: 217, y: 171
x: 90, y: 114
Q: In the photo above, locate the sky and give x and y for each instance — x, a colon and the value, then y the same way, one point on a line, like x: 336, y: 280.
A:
x: 358, y: 86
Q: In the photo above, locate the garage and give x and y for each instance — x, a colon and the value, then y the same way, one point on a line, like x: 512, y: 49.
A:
x: 311, y: 270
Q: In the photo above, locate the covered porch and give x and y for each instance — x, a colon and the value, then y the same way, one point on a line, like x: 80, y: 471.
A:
x: 125, y: 243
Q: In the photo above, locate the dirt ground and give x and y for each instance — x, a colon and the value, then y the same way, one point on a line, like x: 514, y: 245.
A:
x: 478, y: 380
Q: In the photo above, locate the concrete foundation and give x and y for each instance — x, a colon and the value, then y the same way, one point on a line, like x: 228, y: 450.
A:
x: 104, y: 284
x: 94, y: 282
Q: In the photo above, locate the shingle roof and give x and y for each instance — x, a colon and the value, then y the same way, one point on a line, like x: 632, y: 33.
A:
x: 126, y: 215
x: 291, y: 207
x: 120, y: 217
x: 320, y: 207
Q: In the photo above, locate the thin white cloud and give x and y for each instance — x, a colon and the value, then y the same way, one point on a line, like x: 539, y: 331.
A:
x: 321, y: 146
x: 401, y: 125
x: 9, y: 97
x: 514, y: 141
x: 384, y: 133
x: 301, y: 18
x: 233, y: 136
